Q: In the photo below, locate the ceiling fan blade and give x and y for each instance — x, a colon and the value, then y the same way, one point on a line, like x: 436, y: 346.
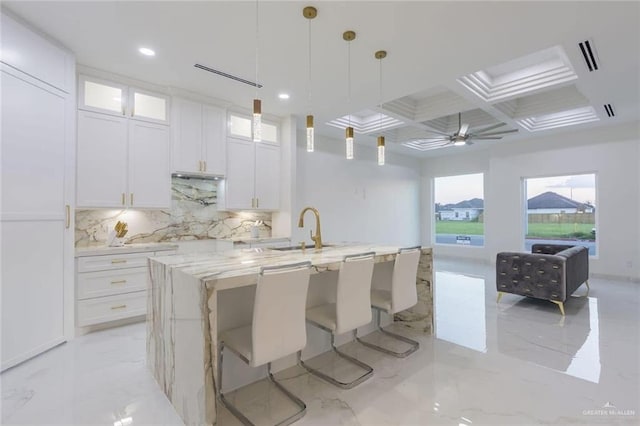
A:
x: 504, y: 132
x: 495, y: 138
x: 486, y: 129
x: 437, y: 132
x: 462, y: 131
x: 437, y: 139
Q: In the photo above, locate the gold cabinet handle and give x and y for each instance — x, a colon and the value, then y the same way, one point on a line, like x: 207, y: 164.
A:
x: 124, y: 112
x: 257, y: 203
x: 131, y: 198
x: 118, y: 282
x: 205, y: 166
x: 113, y: 308
x: 68, y: 212
x: 118, y: 260
x: 199, y: 165
x: 253, y: 203
x: 123, y: 198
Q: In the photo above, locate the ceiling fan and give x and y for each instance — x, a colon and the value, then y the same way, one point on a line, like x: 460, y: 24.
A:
x: 464, y: 137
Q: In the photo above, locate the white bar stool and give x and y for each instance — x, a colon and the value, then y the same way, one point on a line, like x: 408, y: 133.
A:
x: 351, y: 310
x: 278, y: 328
x: 403, y: 295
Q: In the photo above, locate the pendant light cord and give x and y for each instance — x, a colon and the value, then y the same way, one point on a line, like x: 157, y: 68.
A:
x: 349, y: 79
x: 309, y: 66
x: 380, y: 93
x: 257, y: 50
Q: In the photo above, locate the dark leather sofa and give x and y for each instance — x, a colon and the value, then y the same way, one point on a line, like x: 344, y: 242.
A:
x: 549, y: 272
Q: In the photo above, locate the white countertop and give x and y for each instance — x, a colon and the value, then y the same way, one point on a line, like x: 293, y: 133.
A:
x: 249, y: 240
x: 245, y: 264
x: 127, y: 248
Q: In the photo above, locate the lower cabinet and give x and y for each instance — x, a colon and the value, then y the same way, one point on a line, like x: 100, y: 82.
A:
x: 111, y: 287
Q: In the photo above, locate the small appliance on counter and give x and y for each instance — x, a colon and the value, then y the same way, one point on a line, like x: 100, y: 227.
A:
x: 116, y: 235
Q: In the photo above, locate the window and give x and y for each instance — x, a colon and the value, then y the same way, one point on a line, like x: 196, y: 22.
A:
x: 561, y: 210
x: 241, y: 126
x: 149, y: 106
x: 102, y: 96
x: 459, y: 210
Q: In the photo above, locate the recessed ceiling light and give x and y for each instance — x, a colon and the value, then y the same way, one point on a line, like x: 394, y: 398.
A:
x: 283, y: 96
x: 146, y: 51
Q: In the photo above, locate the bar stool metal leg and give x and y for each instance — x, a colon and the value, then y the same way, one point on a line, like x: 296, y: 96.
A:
x: 414, y: 345
x: 245, y: 421
x: 344, y: 385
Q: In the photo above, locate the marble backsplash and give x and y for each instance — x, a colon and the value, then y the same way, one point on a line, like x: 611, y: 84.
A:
x: 193, y: 216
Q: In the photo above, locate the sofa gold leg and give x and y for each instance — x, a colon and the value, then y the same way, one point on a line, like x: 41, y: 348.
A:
x: 560, y: 305
x: 588, y: 288
x: 499, y: 296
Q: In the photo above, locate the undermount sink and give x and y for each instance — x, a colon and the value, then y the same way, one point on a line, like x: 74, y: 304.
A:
x: 308, y: 246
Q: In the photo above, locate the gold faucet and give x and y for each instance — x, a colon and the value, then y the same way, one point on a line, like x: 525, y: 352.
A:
x: 318, y: 237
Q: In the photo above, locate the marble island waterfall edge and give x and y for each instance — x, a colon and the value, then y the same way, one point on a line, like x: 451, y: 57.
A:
x: 182, y: 316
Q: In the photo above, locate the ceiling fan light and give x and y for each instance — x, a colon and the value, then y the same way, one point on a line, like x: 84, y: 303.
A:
x: 460, y: 142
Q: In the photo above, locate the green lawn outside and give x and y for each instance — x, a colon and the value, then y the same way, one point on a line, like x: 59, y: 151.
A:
x: 459, y: 227
x: 536, y: 230
x: 561, y: 230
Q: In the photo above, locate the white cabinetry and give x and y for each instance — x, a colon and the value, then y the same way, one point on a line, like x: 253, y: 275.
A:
x: 122, y: 162
x: 107, y: 97
x: 149, y: 177
x: 37, y: 186
x: 198, y: 138
x: 111, y: 287
x: 253, y: 175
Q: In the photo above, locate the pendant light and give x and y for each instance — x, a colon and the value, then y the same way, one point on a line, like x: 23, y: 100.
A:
x: 380, y: 55
x: 349, y: 36
x: 257, y: 103
x: 309, y: 12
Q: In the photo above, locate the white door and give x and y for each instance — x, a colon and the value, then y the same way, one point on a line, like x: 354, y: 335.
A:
x: 33, y: 217
x: 187, y: 136
x: 240, y: 179
x: 214, y: 144
x: 267, y: 176
x: 102, y: 160
x: 149, y: 169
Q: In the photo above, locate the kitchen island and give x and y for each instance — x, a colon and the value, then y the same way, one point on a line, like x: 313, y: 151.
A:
x: 187, y: 309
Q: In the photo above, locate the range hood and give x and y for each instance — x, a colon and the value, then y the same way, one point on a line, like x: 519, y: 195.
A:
x: 201, y: 176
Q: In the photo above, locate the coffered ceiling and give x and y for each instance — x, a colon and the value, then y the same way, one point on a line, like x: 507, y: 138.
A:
x: 517, y: 63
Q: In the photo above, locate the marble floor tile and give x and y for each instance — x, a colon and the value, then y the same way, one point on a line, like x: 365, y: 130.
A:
x: 518, y: 362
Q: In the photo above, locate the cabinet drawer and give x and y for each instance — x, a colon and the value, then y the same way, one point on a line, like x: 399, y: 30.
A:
x: 109, y: 308
x: 112, y: 261
x: 106, y: 283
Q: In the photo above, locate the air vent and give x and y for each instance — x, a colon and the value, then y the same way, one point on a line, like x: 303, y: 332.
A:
x: 609, y: 109
x: 589, y: 55
x: 227, y: 75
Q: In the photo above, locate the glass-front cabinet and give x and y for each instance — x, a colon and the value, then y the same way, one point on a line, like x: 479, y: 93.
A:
x: 108, y: 97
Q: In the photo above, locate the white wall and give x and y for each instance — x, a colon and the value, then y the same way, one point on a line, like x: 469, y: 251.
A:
x: 357, y: 199
x: 610, y: 152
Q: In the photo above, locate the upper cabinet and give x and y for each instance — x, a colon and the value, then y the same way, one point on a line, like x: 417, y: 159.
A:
x: 122, y: 163
x: 29, y: 52
x: 107, y: 97
x: 253, y: 168
x: 123, y: 157
x: 198, y: 138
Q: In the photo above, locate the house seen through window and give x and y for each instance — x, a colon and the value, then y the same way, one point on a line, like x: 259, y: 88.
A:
x: 459, y: 210
x: 561, y: 210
